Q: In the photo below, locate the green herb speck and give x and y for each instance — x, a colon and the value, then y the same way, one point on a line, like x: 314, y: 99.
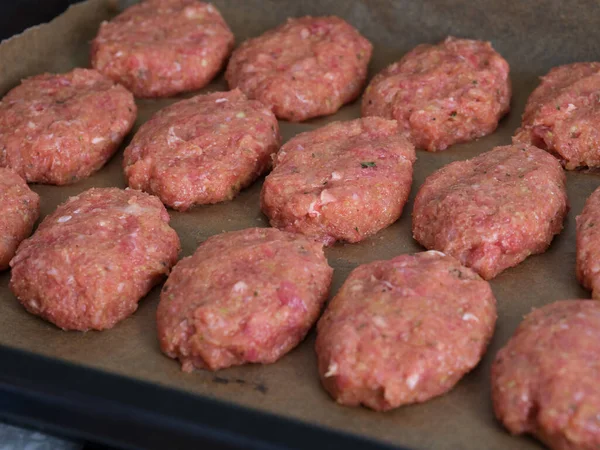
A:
x: 366, y: 164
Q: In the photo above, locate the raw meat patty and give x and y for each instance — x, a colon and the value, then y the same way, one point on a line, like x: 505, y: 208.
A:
x: 492, y: 211
x: 60, y: 128
x: 588, y: 245
x: 344, y: 181
x: 245, y: 296
x: 307, y: 67
x: 545, y: 380
x: 91, y: 261
x: 19, y: 209
x: 202, y: 150
x: 562, y: 115
x: 404, y: 330
x: 455, y: 91
x: 159, y: 48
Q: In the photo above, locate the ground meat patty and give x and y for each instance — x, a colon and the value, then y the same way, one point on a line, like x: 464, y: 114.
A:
x: 307, y: 67
x: 391, y: 336
x: 59, y: 128
x: 344, y: 181
x: 588, y: 245
x: 455, y: 91
x: 91, y: 261
x: 545, y: 380
x: 492, y: 211
x: 159, y: 48
x: 202, y: 150
x: 244, y: 296
x: 19, y: 209
x: 562, y: 115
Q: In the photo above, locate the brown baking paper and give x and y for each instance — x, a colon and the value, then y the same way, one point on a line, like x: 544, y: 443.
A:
x: 532, y: 36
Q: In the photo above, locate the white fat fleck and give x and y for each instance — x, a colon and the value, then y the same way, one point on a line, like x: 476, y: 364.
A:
x: 356, y: 287
x: 311, y: 210
x: 301, y: 98
x: 70, y: 279
x: 172, y: 138
x: 355, y: 196
x: 387, y: 284
x: 102, y: 223
x: 571, y: 107
x: 177, y: 204
x: 412, y: 380
x: 177, y: 66
x: 240, y: 115
x: 380, y: 322
x: 134, y: 209
x: 97, y: 140
x: 564, y: 326
x: 475, y: 186
x: 240, y: 286
x: 469, y: 316
x: 335, y: 176
x: 304, y: 33
x: 64, y: 219
x: 220, y: 100
x: 210, y: 8
x: 193, y: 13
x: 329, y: 76
x: 53, y: 272
x: 203, y: 63
x: 326, y: 197
x: 435, y: 252
x: 30, y: 125
x: 331, y: 370
x: 119, y: 53
x: 33, y: 304
x: 120, y: 287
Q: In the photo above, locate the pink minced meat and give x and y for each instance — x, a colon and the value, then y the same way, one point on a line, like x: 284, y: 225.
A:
x: 545, y: 379
x: 91, y: 261
x: 455, y: 91
x: 562, y: 115
x: 19, y: 209
x: 588, y: 245
x: 307, y: 67
x: 344, y: 181
x: 60, y: 128
x: 492, y: 211
x: 159, y: 48
x: 403, y: 331
x: 247, y: 296
x: 202, y: 150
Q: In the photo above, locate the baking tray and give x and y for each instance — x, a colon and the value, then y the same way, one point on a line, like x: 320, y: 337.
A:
x: 117, y: 386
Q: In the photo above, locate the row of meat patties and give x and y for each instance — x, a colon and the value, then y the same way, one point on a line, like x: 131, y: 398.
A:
x: 397, y: 332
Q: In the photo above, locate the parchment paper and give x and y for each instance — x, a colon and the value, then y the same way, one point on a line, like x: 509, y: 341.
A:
x: 532, y: 36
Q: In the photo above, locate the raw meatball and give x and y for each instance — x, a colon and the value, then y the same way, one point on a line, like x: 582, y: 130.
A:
x: 159, y: 48
x: 492, y: 211
x: 455, y: 91
x: 60, y: 128
x: 545, y: 380
x: 404, y: 330
x: 562, y: 116
x: 305, y: 68
x: 588, y: 245
x: 19, y: 209
x: 345, y: 181
x: 202, y: 150
x: 245, y: 296
x: 91, y: 261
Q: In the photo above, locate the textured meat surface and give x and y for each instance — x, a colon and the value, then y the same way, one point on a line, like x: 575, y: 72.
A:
x: 19, y: 209
x: 455, y: 91
x: 91, y: 261
x: 588, y: 245
x: 159, y: 48
x: 248, y: 296
x: 562, y: 115
x: 202, y: 150
x: 60, y: 128
x: 344, y: 181
x: 545, y: 380
x: 307, y: 67
x: 492, y: 211
x: 404, y: 330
